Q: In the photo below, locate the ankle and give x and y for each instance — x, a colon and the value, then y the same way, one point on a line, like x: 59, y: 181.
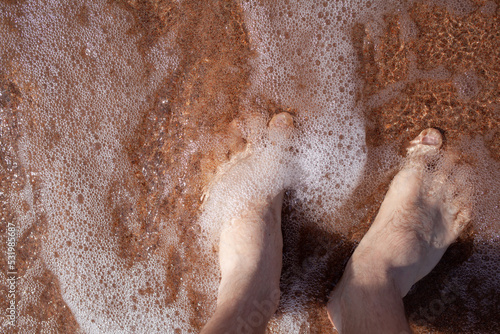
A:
x: 243, y: 313
x: 365, y: 302
x: 378, y: 262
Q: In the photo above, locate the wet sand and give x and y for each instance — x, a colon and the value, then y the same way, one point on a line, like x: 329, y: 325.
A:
x: 461, y: 96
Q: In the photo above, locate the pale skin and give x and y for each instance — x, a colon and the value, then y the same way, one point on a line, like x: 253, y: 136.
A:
x: 419, y: 218
x: 250, y: 259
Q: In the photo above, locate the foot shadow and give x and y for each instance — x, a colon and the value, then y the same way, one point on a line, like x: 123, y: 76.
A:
x: 314, y: 259
x: 461, y: 294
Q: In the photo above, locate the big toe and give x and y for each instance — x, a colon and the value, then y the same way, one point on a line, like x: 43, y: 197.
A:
x: 282, y: 120
x: 428, y: 141
x: 281, y: 128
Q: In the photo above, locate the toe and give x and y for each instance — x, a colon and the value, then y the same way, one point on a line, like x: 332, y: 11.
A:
x: 431, y: 137
x: 428, y: 137
x: 428, y: 141
x: 281, y: 128
x: 282, y: 120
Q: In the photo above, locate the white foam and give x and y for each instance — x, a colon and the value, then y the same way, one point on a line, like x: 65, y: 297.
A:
x: 90, y: 88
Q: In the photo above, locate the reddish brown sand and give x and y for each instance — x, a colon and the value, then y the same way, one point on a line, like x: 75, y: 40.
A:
x: 213, y: 38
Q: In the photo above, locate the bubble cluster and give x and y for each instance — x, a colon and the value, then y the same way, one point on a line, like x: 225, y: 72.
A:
x: 84, y: 87
x: 306, y: 61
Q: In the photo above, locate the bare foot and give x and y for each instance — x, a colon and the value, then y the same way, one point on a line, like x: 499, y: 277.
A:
x: 424, y: 211
x: 250, y: 247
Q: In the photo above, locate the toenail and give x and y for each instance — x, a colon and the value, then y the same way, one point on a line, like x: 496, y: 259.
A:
x: 430, y: 141
x: 431, y: 137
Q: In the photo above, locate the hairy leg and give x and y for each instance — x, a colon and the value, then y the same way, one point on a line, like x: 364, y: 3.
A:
x: 423, y: 212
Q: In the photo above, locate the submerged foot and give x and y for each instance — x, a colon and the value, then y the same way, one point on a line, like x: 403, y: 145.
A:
x: 250, y: 246
x: 426, y: 208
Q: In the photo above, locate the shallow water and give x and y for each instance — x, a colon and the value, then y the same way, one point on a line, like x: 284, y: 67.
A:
x: 115, y: 117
